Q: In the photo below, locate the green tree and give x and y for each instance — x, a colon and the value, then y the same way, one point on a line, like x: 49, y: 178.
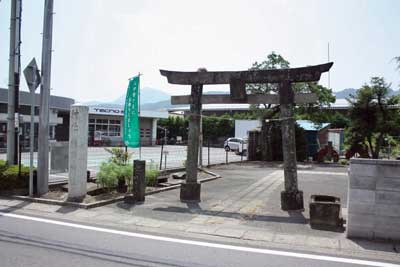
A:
x: 372, y: 116
x: 268, y: 111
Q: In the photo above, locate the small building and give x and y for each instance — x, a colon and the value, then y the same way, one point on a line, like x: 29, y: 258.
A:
x: 106, y: 125
x: 317, y: 135
x: 58, y: 117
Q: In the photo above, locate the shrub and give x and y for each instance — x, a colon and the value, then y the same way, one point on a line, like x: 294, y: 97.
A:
x: 118, y: 155
x: 152, y: 172
x: 343, y: 162
x: 9, y: 177
x: 110, y: 173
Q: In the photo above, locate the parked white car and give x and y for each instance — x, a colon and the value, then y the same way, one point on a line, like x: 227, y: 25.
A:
x: 235, y: 144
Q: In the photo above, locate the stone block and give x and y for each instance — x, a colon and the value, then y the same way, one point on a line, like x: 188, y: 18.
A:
x: 362, y: 182
x: 360, y: 232
x: 361, y: 196
x: 361, y: 220
x: 325, y: 211
x: 190, y: 192
x: 361, y: 208
x: 389, y: 171
x: 391, y: 224
x: 78, y: 149
x: 388, y: 183
x: 363, y: 170
x: 387, y: 210
x: 387, y: 197
x: 139, y: 180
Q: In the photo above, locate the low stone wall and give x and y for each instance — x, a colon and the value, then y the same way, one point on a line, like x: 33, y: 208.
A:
x: 374, y: 199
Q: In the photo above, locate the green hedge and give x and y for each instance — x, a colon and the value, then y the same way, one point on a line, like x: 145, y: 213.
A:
x: 9, y: 176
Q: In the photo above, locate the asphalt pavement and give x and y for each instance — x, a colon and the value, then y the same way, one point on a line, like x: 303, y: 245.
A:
x: 32, y: 241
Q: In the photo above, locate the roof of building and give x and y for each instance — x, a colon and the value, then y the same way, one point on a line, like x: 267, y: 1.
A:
x: 339, y: 104
x: 55, y: 102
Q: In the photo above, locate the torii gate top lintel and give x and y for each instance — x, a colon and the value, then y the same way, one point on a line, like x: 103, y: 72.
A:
x: 303, y: 74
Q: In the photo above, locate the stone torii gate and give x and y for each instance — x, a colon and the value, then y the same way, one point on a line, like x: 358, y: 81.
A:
x: 291, y: 197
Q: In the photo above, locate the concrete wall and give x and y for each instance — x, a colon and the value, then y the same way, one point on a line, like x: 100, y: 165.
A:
x: 374, y: 199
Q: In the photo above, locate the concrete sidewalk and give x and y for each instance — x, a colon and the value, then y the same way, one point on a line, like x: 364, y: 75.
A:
x: 242, y: 208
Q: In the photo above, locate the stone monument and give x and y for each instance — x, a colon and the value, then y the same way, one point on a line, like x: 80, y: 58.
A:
x: 78, y: 149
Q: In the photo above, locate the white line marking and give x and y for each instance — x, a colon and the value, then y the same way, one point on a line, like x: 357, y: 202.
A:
x: 204, y: 244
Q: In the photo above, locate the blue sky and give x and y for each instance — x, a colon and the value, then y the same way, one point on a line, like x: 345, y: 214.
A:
x: 99, y: 44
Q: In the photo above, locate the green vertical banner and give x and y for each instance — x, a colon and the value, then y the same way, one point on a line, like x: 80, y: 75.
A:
x: 131, y: 114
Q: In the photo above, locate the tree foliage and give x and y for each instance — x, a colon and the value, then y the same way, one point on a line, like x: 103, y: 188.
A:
x: 372, y: 116
x: 268, y: 111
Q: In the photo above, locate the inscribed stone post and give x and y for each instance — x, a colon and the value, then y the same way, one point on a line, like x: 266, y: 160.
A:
x: 78, y: 149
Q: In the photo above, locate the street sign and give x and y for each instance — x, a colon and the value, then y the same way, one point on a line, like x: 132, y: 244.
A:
x: 32, y: 75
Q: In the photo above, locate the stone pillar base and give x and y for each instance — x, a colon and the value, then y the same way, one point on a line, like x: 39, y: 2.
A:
x: 291, y: 201
x: 190, y: 192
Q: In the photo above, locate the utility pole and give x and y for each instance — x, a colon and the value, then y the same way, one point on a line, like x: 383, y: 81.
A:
x: 43, y: 138
x: 13, y: 81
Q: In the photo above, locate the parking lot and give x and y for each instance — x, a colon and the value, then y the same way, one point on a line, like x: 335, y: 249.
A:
x: 175, y: 156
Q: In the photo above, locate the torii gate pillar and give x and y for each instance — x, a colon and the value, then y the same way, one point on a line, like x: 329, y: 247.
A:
x: 190, y: 188
x: 291, y: 197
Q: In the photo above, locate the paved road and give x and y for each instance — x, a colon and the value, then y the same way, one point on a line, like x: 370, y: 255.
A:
x: 30, y: 241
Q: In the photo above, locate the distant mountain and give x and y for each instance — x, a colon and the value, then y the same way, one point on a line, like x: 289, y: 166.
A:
x: 345, y: 93
x: 147, y: 95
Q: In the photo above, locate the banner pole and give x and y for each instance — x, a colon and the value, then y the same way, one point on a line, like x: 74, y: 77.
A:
x: 140, y: 134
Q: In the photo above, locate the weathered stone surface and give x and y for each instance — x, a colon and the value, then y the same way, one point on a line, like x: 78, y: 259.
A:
x: 362, y: 208
x: 361, y: 196
x: 325, y: 211
x: 387, y: 197
x: 303, y: 74
x: 139, y: 174
x: 78, y: 143
x: 363, y: 182
x: 374, y: 213
x: 387, y: 210
x: 388, y: 184
x: 190, y: 192
x: 363, y: 170
x: 292, y: 200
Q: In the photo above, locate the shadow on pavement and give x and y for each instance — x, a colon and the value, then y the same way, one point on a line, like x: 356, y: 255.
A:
x: 297, y: 218
x: 66, y: 209
x: 15, y: 207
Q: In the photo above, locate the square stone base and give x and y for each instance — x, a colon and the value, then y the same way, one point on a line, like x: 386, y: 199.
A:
x: 291, y: 201
x: 190, y: 192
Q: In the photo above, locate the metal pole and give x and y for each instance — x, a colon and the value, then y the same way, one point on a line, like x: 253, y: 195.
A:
x: 208, y: 152
x: 226, y: 159
x: 165, y: 161
x: 241, y: 154
x: 13, y: 80
x: 140, y: 138
x: 162, y: 149
x: 201, y: 141
x: 43, y: 138
x: 32, y: 143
